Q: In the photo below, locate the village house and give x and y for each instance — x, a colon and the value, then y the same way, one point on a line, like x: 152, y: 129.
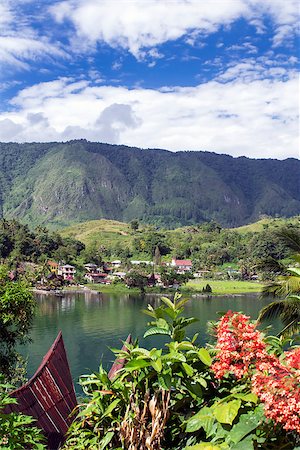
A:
x: 182, y: 265
x: 116, y: 264
x: 91, y: 268
x: 97, y: 278
x: 66, y: 271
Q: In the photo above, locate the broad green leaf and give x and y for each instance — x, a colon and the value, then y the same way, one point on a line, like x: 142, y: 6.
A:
x: 245, y: 444
x: 157, y: 365
x: 247, y: 423
x: 175, y: 356
x: 247, y: 397
x: 185, y: 345
x: 140, y: 351
x: 165, y: 381
x: 227, y: 412
x: 203, y: 419
x: 168, y: 302
x: 195, y: 389
x: 156, y: 330
x: 188, y: 369
x: 204, y: 356
x: 137, y: 364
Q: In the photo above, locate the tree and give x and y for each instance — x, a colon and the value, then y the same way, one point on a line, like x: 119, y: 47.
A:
x: 287, y: 286
x: 136, y: 279
x: 16, y: 430
x: 134, y: 224
x: 17, y: 307
x: 157, y: 256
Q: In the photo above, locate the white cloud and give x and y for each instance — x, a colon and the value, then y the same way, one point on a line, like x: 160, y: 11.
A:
x: 256, y: 118
x: 137, y: 24
x: 21, y: 43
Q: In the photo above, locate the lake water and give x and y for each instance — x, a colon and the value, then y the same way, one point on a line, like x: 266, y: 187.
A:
x: 92, y: 323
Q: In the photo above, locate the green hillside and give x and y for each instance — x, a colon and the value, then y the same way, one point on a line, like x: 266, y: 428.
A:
x: 59, y: 184
x: 103, y: 232
x: 206, y: 239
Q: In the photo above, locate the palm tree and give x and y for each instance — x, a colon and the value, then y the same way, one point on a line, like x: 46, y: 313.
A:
x: 287, y: 286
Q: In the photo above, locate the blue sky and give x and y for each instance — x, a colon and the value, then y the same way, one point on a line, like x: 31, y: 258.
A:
x: 216, y: 75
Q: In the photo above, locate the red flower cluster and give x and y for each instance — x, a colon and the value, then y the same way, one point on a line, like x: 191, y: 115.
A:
x: 278, y: 387
x: 239, y: 345
x: 242, y: 352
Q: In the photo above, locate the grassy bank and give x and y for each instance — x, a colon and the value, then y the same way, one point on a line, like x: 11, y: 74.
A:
x: 223, y: 287
x: 193, y: 286
x: 112, y: 288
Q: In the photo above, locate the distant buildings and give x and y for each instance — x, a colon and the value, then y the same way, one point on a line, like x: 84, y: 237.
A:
x: 182, y: 265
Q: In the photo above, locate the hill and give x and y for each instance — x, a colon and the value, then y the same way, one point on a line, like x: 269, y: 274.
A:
x: 59, y: 184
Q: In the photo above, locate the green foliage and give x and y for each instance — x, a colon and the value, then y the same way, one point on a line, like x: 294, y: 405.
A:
x: 167, y: 398
x: 16, y: 430
x: 286, y: 286
x: 17, y: 308
x: 154, y: 386
x: 136, y: 279
x: 139, y: 184
x: 19, y: 243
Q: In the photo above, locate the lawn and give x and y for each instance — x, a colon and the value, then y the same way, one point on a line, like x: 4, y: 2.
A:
x: 223, y: 287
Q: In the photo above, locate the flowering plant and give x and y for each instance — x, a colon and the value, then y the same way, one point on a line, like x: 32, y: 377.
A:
x: 276, y: 381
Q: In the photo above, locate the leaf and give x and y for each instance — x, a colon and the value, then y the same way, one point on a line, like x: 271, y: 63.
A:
x: 245, y: 444
x: 182, y: 303
x: 247, y: 423
x: 165, y: 381
x: 175, y: 356
x: 185, y: 345
x: 203, y: 419
x: 110, y: 408
x: 137, y: 364
x: 204, y: 446
x: 106, y: 440
x: 204, y: 356
x: 168, y: 302
x: 188, y: 369
x: 227, y: 412
x: 157, y: 365
x: 247, y: 397
x: 156, y: 330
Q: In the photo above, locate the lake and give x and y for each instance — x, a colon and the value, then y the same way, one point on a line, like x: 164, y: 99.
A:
x: 91, y: 323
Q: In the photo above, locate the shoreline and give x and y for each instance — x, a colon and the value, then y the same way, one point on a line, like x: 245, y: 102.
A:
x: 192, y: 293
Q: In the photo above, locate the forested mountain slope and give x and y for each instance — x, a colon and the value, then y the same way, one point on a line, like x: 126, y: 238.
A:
x: 64, y: 183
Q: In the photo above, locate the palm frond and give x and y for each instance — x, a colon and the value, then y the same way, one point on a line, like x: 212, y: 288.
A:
x: 271, y: 311
x: 287, y: 310
x: 272, y: 289
x: 290, y: 237
x: 270, y: 264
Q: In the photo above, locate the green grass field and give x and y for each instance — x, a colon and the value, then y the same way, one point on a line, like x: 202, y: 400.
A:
x: 102, y: 232
x: 223, y: 287
x: 268, y: 222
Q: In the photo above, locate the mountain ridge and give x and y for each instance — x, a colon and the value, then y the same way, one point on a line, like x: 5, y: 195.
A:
x: 64, y: 183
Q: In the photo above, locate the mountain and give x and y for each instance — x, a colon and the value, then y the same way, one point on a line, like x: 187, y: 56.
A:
x: 63, y: 183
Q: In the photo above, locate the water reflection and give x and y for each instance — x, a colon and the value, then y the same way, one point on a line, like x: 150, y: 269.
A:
x: 92, y: 323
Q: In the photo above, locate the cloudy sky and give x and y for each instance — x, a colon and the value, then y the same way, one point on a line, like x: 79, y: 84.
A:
x: 216, y: 75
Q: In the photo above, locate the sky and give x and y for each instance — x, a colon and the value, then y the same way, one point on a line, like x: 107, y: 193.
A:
x: 209, y: 75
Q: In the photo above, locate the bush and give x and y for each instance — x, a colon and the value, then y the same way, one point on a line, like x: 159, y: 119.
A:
x: 174, y: 398
x: 16, y: 430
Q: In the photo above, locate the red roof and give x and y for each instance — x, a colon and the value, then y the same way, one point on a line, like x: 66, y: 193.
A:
x: 183, y: 262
